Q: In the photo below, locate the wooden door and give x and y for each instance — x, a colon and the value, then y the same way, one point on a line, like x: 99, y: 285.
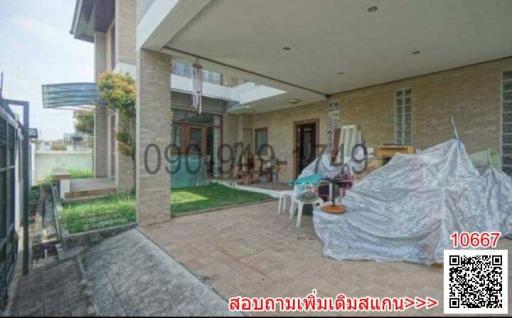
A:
x: 306, y: 144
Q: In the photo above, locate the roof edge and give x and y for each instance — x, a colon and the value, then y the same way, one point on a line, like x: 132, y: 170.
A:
x: 74, y: 23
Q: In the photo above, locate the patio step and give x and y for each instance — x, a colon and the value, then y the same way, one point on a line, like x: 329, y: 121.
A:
x: 89, y: 194
x: 82, y: 189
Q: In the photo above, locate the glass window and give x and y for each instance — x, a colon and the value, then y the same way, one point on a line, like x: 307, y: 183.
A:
x: 217, y: 120
x: 196, y: 139
x: 261, y: 139
x: 185, y: 70
x: 204, y: 119
x: 177, y: 134
x: 403, y: 109
x: 179, y: 115
x: 182, y: 69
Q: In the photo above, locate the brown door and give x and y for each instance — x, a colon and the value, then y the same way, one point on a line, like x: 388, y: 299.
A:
x: 306, y: 142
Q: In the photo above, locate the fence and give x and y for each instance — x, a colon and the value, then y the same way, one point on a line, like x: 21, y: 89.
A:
x: 10, y: 192
x: 45, y: 162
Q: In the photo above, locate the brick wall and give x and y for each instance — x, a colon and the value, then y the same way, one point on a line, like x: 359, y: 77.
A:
x: 470, y: 94
x: 280, y: 131
x: 229, y: 137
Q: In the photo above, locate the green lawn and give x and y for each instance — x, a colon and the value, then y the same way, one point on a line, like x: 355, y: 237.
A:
x: 209, y: 197
x: 80, y: 173
x: 119, y: 209
x: 114, y: 210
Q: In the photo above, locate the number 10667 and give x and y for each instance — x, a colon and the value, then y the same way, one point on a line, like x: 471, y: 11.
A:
x: 475, y: 239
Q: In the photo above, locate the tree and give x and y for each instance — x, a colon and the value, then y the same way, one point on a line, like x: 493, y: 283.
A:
x: 117, y: 93
x: 84, y: 122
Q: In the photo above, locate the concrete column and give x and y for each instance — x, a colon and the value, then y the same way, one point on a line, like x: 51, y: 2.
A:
x: 126, y: 25
x: 100, y: 115
x: 124, y: 164
x: 100, y: 54
x: 125, y: 21
x: 153, y: 128
x: 110, y: 159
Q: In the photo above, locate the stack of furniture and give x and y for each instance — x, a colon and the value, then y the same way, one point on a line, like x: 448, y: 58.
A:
x: 386, y: 152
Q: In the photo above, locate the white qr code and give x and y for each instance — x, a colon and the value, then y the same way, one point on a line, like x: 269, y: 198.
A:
x: 475, y: 281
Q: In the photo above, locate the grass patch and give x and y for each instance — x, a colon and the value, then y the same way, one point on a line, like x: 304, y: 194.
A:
x: 209, y: 197
x: 33, y: 195
x: 80, y: 173
x: 114, y: 210
x: 119, y: 209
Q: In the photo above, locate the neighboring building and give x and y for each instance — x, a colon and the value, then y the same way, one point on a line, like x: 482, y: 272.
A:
x: 398, y: 70
x: 77, y: 141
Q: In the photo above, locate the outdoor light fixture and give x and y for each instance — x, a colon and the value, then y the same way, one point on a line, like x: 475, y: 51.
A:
x: 293, y: 101
x: 372, y: 9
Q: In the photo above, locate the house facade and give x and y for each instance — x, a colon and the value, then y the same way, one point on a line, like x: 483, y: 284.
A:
x: 287, y: 73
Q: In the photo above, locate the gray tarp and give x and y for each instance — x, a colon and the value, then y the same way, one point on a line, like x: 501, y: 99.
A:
x: 407, y: 210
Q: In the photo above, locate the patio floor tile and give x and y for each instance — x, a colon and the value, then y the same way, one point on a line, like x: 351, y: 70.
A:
x: 250, y: 251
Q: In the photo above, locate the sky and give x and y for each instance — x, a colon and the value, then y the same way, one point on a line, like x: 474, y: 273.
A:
x: 36, y: 48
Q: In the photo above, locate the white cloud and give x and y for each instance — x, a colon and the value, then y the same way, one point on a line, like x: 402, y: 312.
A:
x: 37, y: 49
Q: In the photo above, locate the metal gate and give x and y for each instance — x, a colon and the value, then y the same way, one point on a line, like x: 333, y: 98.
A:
x: 10, y: 146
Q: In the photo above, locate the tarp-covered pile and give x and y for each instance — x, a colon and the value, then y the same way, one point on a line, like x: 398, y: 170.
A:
x: 407, y: 210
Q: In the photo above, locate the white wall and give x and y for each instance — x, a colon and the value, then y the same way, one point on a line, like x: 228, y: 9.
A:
x: 45, y: 162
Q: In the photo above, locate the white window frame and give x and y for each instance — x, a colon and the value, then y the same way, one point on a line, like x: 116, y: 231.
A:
x: 403, y: 130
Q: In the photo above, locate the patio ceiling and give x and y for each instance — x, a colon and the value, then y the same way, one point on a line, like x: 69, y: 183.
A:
x: 330, y: 37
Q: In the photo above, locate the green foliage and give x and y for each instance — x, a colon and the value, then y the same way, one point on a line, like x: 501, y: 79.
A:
x: 117, y: 92
x: 58, y: 147
x: 84, y: 122
x: 46, y: 183
x: 33, y: 195
x: 126, y: 145
x: 119, y: 209
x: 115, y: 210
x: 80, y: 173
x: 192, y: 199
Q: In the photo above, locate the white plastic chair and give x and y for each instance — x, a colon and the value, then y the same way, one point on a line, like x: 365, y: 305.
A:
x: 283, y: 196
x: 300, y: 207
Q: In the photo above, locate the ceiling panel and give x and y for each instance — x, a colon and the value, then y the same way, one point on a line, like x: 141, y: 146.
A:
x: 331, y: 36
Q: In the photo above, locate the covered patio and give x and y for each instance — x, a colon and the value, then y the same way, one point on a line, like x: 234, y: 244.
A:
x: 378, y: 66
